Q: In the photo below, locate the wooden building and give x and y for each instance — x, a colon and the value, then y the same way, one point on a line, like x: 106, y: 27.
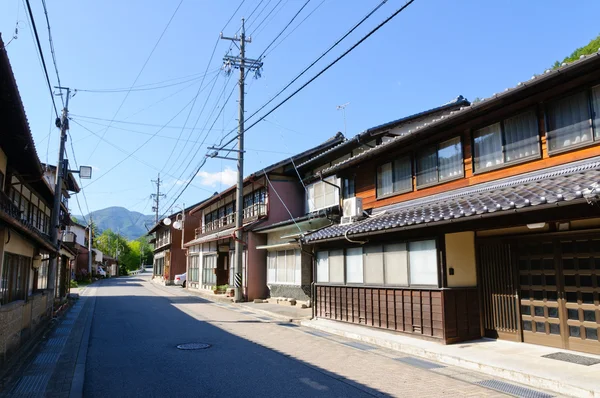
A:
x: 481, y: 222
x: 168, y: 239
x: 271, y: 196
x: 26, y: 202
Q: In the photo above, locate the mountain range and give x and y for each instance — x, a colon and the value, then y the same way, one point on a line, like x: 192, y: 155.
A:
x: 130, y: 224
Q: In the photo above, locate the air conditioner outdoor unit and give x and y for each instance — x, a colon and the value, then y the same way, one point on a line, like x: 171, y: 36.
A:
x: 352, y: 209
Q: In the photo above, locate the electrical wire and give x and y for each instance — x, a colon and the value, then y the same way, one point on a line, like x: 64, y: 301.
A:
x: 139, y: 73
x: 335, y: 61
x: 52, y: 48
x: 379, y: 26
x: 254, y: 35
x: 265, y: 18
x: 41, y: 55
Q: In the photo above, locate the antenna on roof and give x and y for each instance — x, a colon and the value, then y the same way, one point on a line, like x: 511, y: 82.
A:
x: 343, y: 108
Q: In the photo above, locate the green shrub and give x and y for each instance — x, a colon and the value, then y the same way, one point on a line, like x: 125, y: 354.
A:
x: 73, y: 283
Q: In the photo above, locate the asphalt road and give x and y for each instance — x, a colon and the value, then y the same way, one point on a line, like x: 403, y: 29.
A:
x: 136, y: 327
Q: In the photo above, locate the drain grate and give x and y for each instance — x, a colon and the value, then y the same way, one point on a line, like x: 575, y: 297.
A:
x: 317, y: 333
x: 47, y: 358
x: 512, y: 389
x: 193, y: 346
x: 419, y: 363
x: 572, y: 358
x: 32, y: 384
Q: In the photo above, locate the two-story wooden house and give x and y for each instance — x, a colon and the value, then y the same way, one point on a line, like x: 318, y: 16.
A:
x: 289, y: 268
x: 168, y: 239
x: 271, y: 195
x: 483, y: 222
x: 25, y: 208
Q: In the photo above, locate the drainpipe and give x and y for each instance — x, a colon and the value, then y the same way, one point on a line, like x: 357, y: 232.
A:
x: 335, y: 186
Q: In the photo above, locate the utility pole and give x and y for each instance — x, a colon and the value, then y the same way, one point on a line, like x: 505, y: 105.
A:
x: 157, y: 197
x: 61, y: 170
x: 90, y: 246
x: 242, y: 63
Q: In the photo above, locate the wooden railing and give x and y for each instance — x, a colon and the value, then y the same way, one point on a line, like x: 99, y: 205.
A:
x: 9, y: 208
x: 254, y: 211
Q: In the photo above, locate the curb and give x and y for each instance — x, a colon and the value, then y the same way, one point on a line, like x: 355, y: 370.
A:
x: 272, y: 314
x: 492, y: 370
x: 79, y: 374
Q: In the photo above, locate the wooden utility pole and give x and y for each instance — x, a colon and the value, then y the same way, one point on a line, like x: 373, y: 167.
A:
x: 242, y: 63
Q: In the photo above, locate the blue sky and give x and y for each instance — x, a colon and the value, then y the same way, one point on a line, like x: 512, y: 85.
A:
x: 426, y: 56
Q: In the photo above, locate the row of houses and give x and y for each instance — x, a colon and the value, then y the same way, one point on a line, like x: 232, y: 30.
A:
x: 463, y: 221
x: 30, y: 292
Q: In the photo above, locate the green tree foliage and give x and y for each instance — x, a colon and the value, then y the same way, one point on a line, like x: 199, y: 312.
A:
x: 588, y: 49
x: 130, y: 254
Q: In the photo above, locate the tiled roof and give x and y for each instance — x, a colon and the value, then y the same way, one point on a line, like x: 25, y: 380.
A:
x: 462, y: 112
x: 580, y: 180
x: 356, y: 140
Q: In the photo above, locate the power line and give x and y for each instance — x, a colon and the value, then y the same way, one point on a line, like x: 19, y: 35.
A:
x: 265, y: 18
x: 327, y: 67
x: 207, y: 97
x: 41, y: 54
x: 139, y: 73
x: 314, y: 77
x: 52, y: 48
x: 192, y: 77
x: 141, y: 87
x: 129, y: 154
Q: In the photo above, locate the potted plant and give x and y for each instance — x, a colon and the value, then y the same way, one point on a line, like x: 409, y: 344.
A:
x: 221, y: 289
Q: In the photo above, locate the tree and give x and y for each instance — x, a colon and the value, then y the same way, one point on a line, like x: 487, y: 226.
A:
x: 588, y: 49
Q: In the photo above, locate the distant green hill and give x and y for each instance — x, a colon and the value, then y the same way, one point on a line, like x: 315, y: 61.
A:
x: 130, y: 224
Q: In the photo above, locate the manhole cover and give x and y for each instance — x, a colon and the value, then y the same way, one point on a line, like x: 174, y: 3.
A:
x: 193, y: 346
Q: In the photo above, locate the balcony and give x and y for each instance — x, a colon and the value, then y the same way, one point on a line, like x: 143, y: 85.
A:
x: 10, y: 209
x: 69, y: 237
x: 254, y: 211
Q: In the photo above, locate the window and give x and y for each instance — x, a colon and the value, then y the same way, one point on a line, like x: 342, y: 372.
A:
x: 394, y: 264
x: 440, y: 163
x: 209, y: 266
x: 571, y: 120
x: 423, y: 262
x: 159, y: 266
x: 194, y: 268
x: 13, y: 281
x: 322, y: 267
x: 321, y: 195
x: 394, y: 177
x: 42, y: 273
x: 354, y: 265
x: 348, y: 188
x: 374, y: 265
x: 508, y: 141
x: 395, y: 260
x: 284, y: 267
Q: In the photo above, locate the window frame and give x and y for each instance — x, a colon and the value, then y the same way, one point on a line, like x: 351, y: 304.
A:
x: 595, y: 129
x: 437, y: 166
x: 337, y: 193
x: 382, y: 245
x: 412, y: 165
x: 506, y: 164
x: 297, y: 266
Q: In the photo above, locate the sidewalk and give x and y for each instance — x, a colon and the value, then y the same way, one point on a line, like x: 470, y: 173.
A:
x: 518, y: 362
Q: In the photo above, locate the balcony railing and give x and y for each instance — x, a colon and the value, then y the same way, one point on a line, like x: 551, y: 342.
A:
x: 8, y: 207
x: 69, y: 237
x: 254, y: 211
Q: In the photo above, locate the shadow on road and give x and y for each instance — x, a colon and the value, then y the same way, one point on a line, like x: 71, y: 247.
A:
x: 132, y: 352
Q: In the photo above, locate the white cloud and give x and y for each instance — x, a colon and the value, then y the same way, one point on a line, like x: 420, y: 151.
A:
x: 226, y: 177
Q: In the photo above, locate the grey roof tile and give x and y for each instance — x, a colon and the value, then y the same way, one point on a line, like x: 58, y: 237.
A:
x: 563, y: 183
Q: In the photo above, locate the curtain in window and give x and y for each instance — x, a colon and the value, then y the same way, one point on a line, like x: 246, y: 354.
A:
x: 322, y: 267
x: 521, y: 136
x: 281, y: 266
x: 569, y: 122
x: 384, y: 180
x: 271, y: 267
x: 402, y: 175
x: 330, y: 192
x: 336, y: 266
x: 290, y: 266
x: 423, y: 263
x: 596, y: 107
x: 488, y: 147
x: 427, y: 167
x: 319, y: 196
x: 395, y: 258
x: 310, y: 198
x: 450, y: 159
x: 298, y: 265
x: 354, y: 265
x: 374, y: 264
